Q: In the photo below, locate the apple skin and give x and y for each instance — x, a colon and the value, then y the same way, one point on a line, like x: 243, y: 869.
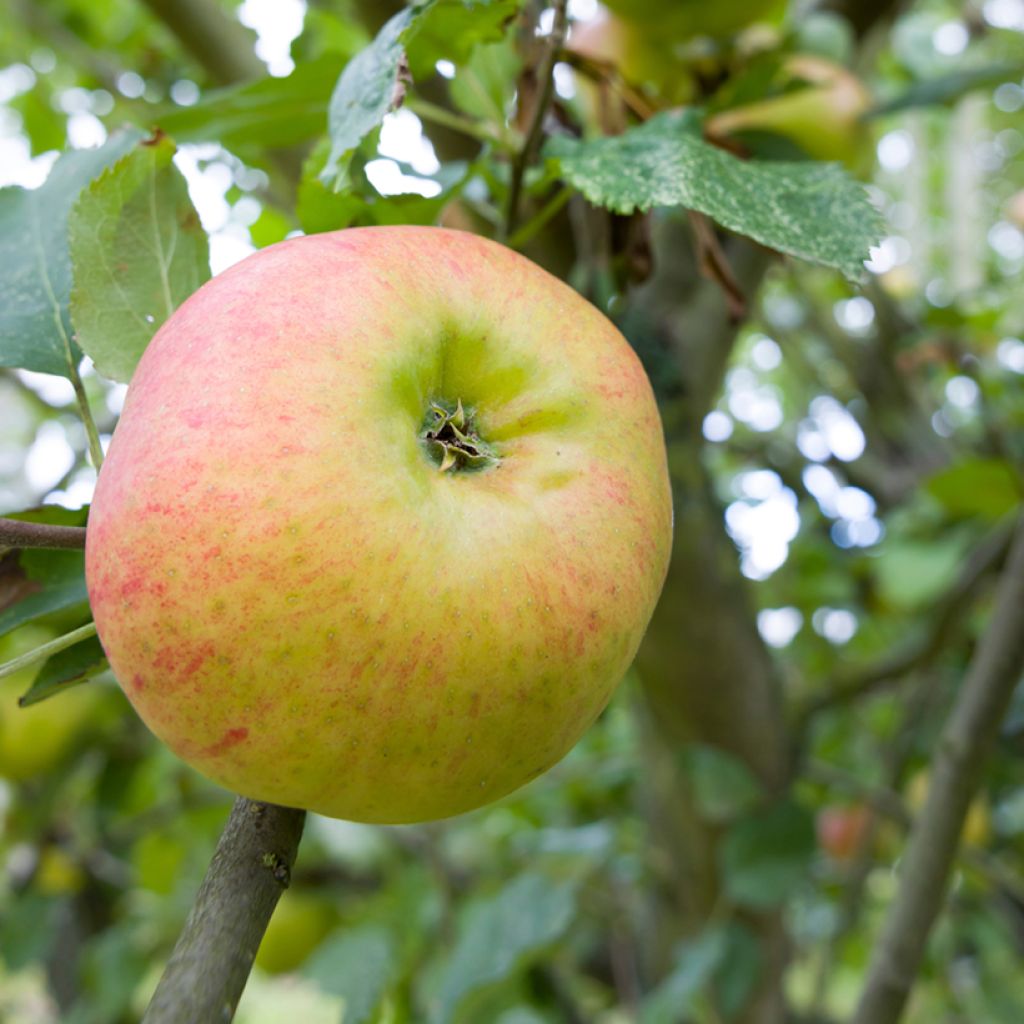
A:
x: 841, y: 830
x: 294, y: 596
x: 823, y: 118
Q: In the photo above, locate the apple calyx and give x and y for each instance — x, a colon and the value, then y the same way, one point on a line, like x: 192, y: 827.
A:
x: 452, y: 439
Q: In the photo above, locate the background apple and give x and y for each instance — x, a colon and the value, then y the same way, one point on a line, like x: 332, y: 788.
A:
x: 382, y: 524
x: 819, y: 110
x: 689, y: 18
x: 36, y: 740
x: 300, y: 923
x: 841, y: 830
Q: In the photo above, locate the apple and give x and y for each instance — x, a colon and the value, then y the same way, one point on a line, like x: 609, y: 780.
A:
x: 842, y: 829
x: 36, y: 740
x: 690, y: 18
x: 382, y: 524
x: 821, y: 115
x: 300, y: 923
x: 643, y: 59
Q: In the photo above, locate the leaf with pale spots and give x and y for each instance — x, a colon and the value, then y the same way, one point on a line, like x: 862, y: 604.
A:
x: 811, y: 210
x: 35, y: 265
x: 137, y: 252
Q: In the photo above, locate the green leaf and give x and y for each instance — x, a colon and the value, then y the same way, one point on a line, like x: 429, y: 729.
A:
x: 372, y: 85
x: 988, y: 488
x: 137, y: 251
x: 485, y: 85
x: 723, y: 786
x: 359, y: 965
x: 945, y: 90
x: 71, y: 667
x: 35, y: 267
x: 910, y: 574
x: 675, y: 997
x: 501, y: 934
x: 266, y: 113
x: 807, y: 209
x: 37, y: 582
x: 453, y: 29
x: 766, y: 855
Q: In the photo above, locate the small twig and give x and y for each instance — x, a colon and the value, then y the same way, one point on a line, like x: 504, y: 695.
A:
x: 17, y: 533
x: 214, y: 954
x: 546, y: 77
x: 919, y: 651
x: 8, y: 668
x: 603, y: 71
x: 955, y: 773
x: 715, y: 266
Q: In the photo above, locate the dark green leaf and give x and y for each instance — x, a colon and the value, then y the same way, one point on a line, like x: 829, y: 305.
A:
x: 371, y: 85
x: 359, y: 965
x: 807, y: 209
x: 35, y: 267
x: 70, y: 667
x: 766, y: 856
x: 452, y: 29
x: 723, y: 786
x: 501, y: 934
x: 269, y: 112
x: 137, y: 252
x: 977, y: 487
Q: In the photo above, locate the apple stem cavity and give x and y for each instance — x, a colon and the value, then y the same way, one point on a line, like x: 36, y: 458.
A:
x: 452, y: 440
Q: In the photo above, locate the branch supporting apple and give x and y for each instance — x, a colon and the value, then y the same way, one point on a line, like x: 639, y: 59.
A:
x: 382, y: 524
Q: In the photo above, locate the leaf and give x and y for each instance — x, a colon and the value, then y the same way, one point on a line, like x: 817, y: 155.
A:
x: 485, y: 85
x: 270, y: 112
x: 372, y: 85
x: 910, y: 574
x: 137, y: 251
x: 501, y: 934
x: 70, y: 667
x: 807, y: 209
x: 359, y: 965
x: 988, y: 488
x: 945, y: 90
x: 35, y: 267
x: 723, y: 786
x: 766, y: 855
x: 37, y: 582
x: 675, y: 997
x: 453, y: 29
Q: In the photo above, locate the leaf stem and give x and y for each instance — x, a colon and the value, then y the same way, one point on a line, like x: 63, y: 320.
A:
x: 44, y: 651
x: 95, y: 448
x: 541, y: 218
x: 444, y: 118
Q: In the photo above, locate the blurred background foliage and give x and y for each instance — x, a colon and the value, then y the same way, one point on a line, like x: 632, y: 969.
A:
x: 861, y: 445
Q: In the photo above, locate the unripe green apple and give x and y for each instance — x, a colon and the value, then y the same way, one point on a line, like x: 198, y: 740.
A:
x: 382, y: 524
x: 300, y: 923
x: 35, y: 740
x: 688, y: 18
x: 823, y: 117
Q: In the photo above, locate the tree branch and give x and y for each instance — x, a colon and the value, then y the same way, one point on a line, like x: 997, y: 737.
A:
x: 214, y: 954
x: 918, y: 651
x: 546, y: 76
x: 221, y: 45
x: 17, y: 533
x: 955, y: 772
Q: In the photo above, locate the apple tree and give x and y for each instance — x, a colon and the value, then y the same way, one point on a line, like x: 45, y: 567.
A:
x: 804, y: 802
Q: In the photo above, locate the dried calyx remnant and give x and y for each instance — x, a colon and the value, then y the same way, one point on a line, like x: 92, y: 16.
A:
x: 452, y: 439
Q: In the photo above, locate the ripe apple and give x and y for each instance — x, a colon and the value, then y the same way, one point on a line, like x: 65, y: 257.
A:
x: 842, y: 829
x: 382, y: 524
x: 821, y: 115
